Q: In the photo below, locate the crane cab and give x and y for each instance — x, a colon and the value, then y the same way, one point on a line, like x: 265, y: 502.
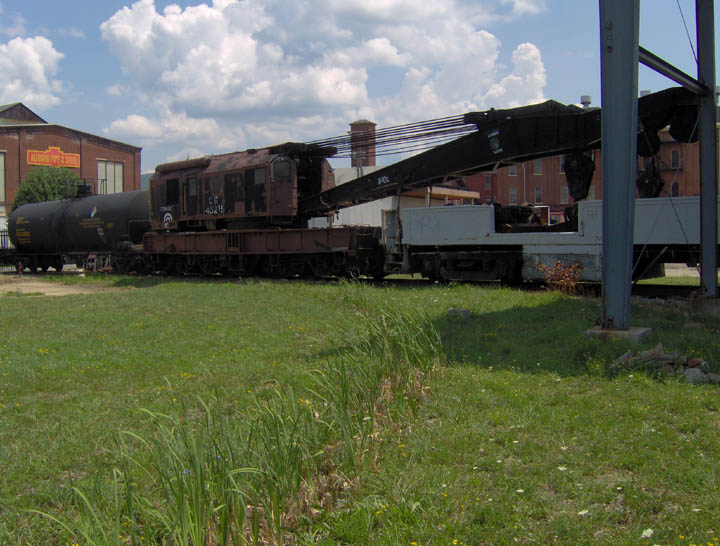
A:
x: 248, y: 189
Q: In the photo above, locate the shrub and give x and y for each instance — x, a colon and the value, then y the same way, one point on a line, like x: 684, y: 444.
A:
x: 46, y: 184
x: 562, y: 277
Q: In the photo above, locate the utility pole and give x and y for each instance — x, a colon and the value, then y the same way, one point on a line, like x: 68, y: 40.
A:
x: 705, y: 21
x: 619, y: 29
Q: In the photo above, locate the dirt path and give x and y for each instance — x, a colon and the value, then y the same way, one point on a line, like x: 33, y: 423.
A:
x: 26, y: 284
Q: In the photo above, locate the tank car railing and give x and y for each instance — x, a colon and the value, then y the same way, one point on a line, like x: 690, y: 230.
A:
x: 6, y: 252
x: 5, y: 243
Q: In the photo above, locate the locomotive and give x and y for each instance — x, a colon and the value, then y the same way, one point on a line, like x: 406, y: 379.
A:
x: 246, y: 213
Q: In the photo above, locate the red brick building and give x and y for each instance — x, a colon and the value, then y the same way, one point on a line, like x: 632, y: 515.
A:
x: 27, y: 140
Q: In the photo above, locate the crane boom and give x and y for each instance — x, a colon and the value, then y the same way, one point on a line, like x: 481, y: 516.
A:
x: 509, y: 136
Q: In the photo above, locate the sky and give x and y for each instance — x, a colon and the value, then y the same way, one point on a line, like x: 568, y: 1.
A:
x: 185, y: 79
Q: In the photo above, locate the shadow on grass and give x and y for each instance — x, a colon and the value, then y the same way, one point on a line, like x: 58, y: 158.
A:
x: 541, y: 338
x: 552, y: 337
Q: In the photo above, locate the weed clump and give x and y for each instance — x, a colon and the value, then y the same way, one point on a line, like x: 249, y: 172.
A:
x: 562, y: 277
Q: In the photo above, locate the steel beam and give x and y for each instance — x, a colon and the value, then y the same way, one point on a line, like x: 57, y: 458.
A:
x: 708, y: 147
x: 663, y: 67
x: 619, y: 29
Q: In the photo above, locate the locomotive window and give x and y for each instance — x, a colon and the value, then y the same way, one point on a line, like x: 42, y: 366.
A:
x: 192, y: 200
x: 259, y: 177
x: 216, y: 185
x: 172, y: 195
x: 234, y: 190
x: 281, y: 169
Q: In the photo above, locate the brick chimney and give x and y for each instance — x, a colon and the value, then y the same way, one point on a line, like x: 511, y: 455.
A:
x: 362, y: 143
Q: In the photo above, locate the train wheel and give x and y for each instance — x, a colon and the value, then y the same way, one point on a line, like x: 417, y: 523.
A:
x: 177, y: 266
x: 319, y: 266
x: 207, y: 267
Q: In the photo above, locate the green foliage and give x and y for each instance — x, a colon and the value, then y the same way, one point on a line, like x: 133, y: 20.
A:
x: 227, y: 475
x: 46, y: 184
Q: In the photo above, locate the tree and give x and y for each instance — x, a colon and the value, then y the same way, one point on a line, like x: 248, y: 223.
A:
x: 46, y: 184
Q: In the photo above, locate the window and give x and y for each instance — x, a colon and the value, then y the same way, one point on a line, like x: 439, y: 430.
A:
x: 2, y: 178
x: 488, y: 182
x: 512, y: 170
x: 216, y: 187
x: 675, y: 189
x: 192, y: 197
x: 564, y: 198
x: 110, y: 177
x: 537, y: 166
x: 281, y: 169
x: 675, y: 159
x: 562, y: 164
x: 512, y: 197
x: 538, y: 194
x: 172, y: 193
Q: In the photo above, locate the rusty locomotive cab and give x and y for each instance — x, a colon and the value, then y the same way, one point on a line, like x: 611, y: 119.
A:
x: 248, y: 189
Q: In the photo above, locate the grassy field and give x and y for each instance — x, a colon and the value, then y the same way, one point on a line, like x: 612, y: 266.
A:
x: 508, y: 430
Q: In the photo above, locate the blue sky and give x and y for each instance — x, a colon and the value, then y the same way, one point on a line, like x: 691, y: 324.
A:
x: 185, y: 79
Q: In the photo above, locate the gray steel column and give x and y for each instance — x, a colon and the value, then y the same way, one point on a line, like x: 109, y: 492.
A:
x: 705, y: 22
x: 619, y: 28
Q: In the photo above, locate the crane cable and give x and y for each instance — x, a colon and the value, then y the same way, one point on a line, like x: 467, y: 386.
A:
x: 410, y: 137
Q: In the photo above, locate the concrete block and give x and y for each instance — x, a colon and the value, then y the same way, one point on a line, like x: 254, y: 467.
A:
x: 636, y: 334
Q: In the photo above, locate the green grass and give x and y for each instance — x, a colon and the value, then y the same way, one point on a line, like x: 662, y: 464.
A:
x: 521, y: 385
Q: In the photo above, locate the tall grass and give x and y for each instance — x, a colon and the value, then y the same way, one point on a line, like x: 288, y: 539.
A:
x: 217, y: 475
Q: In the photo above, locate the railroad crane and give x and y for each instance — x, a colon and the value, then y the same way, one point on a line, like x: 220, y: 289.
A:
x: 246, y: 212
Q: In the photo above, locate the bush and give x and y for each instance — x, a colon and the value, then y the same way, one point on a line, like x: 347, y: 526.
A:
x: 46, y: 184
x: 561, y: 277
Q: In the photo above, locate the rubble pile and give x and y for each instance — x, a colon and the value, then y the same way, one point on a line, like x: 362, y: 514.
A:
x: 695, y: 370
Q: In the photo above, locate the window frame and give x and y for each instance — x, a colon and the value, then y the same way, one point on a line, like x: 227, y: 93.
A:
x: 3, y: 178
x: 674, y: 159
x: 118, y: 176
x: 537, y: 171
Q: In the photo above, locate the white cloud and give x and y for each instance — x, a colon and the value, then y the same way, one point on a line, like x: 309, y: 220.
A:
x: 522, y: 7
x: 117, y: 90
x: 525, y: 84
x: 253, y: 72
x: 73, y: 32
x: 27, y: 68
x: 173, y: 128
x: 16, y: 28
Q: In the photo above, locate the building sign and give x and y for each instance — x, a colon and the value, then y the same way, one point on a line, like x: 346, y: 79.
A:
x: 53, y: 157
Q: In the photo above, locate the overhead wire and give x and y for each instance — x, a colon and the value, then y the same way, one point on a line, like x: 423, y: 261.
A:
x: 399, y: 139
x: 687, y: 32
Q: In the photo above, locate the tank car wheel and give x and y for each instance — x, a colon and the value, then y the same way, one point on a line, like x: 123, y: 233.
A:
x: 119, y: 266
